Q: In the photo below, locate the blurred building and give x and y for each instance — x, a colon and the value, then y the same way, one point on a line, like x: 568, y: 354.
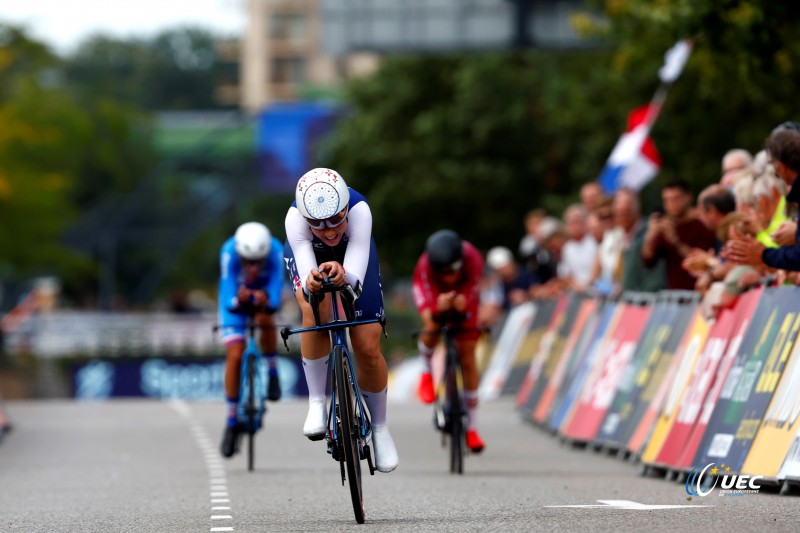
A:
x: 297, y: 49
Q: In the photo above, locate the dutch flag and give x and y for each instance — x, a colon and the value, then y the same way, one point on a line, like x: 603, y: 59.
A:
x: 634, y: 160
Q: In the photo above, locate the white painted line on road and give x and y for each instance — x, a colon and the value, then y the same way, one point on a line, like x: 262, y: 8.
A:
x: 627, y: 505
x: 218, y: 485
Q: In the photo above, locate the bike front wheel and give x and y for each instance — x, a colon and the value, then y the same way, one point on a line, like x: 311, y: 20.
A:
x: 456, y: 415
x: 252, y: 412
x: 349, y: 429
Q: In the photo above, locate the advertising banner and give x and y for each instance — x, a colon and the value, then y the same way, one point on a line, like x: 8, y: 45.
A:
x: 781, y: 423
x: 665, y: 378
x: 169, y: 377
x: 605, y: 324
x: 712, y: 344
x: 601, y: 385
x: 516, y: 327
x: 556, y: 319
x: 745, y: 338
x: 542, y: 410
x: 662, y: 320
x: 705, y: 373
x: 550, y: 360
x: 530, y: 345
x: 747, y: 393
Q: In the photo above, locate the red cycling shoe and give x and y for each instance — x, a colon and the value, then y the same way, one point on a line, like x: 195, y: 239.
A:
x: 474, y: 441
x: 425, y: 390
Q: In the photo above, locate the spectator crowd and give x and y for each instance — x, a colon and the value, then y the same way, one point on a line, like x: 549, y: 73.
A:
x: 740, y: 232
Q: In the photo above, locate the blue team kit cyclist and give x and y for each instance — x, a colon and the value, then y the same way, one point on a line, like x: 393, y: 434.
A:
x: 251, y: 280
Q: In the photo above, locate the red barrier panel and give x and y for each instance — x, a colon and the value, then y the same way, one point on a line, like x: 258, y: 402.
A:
x: 600, y: 387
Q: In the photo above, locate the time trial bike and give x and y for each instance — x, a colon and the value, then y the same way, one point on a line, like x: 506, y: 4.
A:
x: 253, y: 386
x: 349, y: 431
x: 449, y: 413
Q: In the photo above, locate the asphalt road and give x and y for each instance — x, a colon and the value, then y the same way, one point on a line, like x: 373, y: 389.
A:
x: 153, y: 466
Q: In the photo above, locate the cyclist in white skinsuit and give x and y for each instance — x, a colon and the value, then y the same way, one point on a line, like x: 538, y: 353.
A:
x: 329, y: 235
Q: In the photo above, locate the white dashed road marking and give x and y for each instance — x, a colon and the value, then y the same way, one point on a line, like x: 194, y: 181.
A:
x: 218, y: 484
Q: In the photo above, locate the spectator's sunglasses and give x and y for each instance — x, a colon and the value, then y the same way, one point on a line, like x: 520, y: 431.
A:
x: 332, y: 222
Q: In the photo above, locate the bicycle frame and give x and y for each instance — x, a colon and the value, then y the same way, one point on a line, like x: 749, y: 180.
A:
x: 341, y: 375
x: 252, y: 355
x: 252, y: 385
x: 449, y: 409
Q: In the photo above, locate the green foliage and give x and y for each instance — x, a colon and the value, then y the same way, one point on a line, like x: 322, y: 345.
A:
x: 739, y: 83
x: 472, y: 142
x: 177, y: 69
x: 60, y: 149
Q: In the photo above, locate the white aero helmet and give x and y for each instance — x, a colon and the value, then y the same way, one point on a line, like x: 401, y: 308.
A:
x: 321, y: 193
x: 253, y: 241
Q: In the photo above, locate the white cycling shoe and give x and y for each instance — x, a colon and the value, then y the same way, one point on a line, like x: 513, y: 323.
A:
x: 386, y: 458
x: 317, y: 419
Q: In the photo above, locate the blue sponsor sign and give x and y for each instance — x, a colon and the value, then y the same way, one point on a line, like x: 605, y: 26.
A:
x: 157, y: 377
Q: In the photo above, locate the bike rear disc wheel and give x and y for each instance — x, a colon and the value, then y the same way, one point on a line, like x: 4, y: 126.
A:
x: 349, y: 430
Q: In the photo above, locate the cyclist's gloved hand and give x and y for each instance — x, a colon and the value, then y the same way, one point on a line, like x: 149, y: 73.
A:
x: 243, y: 296
x: 444, y: 302
x: 259, y: 299
x: 314, y: 281
x: 334, y: 272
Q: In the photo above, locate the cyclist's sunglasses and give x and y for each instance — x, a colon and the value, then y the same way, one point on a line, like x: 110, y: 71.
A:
x: 451, y: 268
x: 332, y: 222
x: 252, y: 262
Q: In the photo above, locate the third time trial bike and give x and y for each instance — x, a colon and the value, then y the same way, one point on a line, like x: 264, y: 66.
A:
x: 449, y: 412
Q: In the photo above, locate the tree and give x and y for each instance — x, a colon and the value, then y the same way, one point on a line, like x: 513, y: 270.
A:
x: 61, y: 148
x: 470, y: 143
x: 176, y: 70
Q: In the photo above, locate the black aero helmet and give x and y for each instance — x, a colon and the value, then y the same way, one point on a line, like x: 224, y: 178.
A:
x: 445, y: 251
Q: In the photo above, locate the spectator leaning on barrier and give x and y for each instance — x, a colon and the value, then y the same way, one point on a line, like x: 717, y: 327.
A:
x: 591, y: 195
x: 635, y: 274
x: 507, y: 279
x: 619, y: 265
x: 783, y: 146
x: 529, y: 243
x: 734, y: 163
x: 769, y: 207
x: 543, y: 263
x: 673, y: 235
x: 579, y: 252
x: 713, y: 205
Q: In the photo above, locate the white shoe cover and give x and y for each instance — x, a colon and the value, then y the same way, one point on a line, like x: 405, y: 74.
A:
x: 317, y: 419
x: 386, y: 458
